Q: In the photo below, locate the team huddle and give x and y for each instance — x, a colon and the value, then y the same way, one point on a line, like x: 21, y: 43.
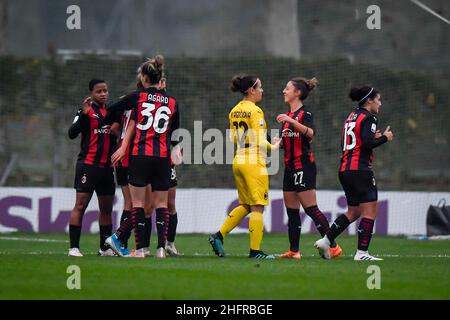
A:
x: 134, y: 137
x: 141, y: 125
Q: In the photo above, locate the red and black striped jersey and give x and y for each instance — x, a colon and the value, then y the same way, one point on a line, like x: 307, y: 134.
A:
x: 124, y: 120
x: 358, y: 140
x: 297, y: 147
x: 97, y: 140
x: 156, y: 115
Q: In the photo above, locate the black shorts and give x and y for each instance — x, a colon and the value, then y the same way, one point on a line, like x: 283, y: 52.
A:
x: 121, y: 176
x: 173, y: 177
x: 359, y: 186
x: 300, y: 180
x: 144, y: 170
x: 89, y: 179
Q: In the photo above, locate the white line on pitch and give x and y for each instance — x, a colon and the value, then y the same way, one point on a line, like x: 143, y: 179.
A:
x: 197, y: 254
x: 32, y: 239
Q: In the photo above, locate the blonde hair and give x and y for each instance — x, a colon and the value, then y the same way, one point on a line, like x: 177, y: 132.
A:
x: 153, y: 68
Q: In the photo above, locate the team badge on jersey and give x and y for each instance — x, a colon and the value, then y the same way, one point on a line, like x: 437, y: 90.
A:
x: 373, y: 128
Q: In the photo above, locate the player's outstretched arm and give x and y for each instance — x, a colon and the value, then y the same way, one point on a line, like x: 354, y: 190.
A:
x: 121, y: 152
x: 115, y: 129
x: 304, y: 130
x: 126, y: 102
x: 258, y: 127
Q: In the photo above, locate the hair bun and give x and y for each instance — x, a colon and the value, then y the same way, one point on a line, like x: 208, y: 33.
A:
x: 158, y: 61
x: 355, y: 94
x: 362, y: 93
x: 312, y: 83
x: 236, y: 83
x: 242, y: 83
x: 153, y: 68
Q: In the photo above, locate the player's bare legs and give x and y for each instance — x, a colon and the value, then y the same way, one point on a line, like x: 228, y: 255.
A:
x: 81, y: 203
x: 353, y: 213
x: 126, y: 198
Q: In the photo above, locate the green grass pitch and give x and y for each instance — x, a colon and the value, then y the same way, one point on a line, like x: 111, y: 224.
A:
x: 37, y: 269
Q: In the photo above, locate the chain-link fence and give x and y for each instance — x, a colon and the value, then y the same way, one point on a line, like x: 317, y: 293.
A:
x: 40, y: 96
x: 207, y: 43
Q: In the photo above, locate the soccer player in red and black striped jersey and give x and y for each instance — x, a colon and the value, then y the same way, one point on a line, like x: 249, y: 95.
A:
x: 155, y: 116
x: 121, y: 168
x: 93, y: 168
x: 359, y: 137
x: 299, y: 183
x: 172, y: 221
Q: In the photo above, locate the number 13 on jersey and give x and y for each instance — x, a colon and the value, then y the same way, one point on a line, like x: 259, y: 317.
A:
x: 349, y: 134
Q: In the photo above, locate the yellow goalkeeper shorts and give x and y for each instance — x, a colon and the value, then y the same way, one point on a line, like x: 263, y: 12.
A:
x: 252, y: 182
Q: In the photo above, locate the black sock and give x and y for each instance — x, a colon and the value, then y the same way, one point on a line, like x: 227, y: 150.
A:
x: 126, y: 216
x: 219, y: 235
x: 148, y: 232
x: 74, y: 234
x: 172, y: 230
x: 320, y: 221
x: 105, y: 232
x: 340, y: 224
x: 138, y: 217
x: 365, y: 233
x: 126, y: 225
x: 294, y: 228
x: 166, y: 225
x: 161, y: 226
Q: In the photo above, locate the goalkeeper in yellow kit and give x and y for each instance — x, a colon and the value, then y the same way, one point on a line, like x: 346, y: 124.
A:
x: 248, y: 131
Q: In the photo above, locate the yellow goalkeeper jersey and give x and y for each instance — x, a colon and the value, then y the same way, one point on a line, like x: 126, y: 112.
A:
x: 248, y: 130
